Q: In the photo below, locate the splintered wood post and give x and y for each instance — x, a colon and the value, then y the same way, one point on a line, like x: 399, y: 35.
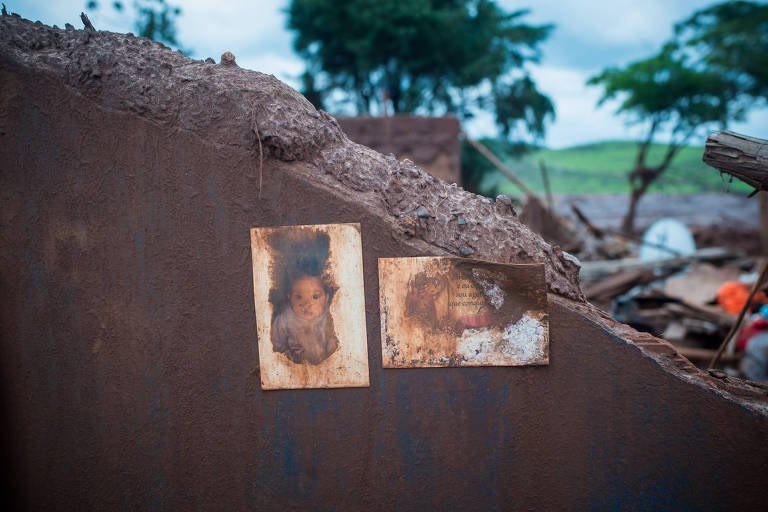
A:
x: 547, y: 189
x: 762, y: 198
x: 499, y: 165
x: 740, y: 156
x: 598, y: 232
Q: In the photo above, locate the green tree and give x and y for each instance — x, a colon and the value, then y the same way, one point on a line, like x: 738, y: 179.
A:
x: 155, y: 19
x: 704, y: 78
x: 433, y: 56
x: 731, y: 38
x: 310, y: 91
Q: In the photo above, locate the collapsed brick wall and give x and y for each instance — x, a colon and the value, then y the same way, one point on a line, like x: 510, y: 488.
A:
x: 128, y: 361
x: 432, y: 143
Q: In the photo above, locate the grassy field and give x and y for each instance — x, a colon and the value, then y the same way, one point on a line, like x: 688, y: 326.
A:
x: 603, y: 167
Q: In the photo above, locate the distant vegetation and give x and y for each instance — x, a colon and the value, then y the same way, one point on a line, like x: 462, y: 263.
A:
x: 601, y: 168
x: 431, y: 57
x: 711, y: 73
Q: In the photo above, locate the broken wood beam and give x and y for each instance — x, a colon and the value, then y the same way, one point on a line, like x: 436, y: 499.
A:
x: 593, y: 271
x: 601, y: 232
x: 743, y: 157
x: 499, y: 165
x: 712, y: 314
x: 547, y: 188
x: 618, y: 284
x: 598, y: 232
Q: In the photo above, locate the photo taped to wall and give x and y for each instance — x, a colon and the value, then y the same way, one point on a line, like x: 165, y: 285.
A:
x: 310, y: 309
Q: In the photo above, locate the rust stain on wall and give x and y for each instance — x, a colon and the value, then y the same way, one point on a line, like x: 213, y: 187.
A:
x: 310, y: 310
x: 442, y: 311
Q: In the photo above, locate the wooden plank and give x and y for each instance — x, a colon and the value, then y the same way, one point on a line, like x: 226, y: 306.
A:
x: 700, y: 283
x: 617, y: 284
x: 593, y: 271
x: 714, y: 314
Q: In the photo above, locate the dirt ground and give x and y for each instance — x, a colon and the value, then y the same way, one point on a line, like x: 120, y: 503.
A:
x: 715, y: 220
x: 732, y: 211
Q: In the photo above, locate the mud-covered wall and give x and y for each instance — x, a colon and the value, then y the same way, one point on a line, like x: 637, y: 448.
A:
x: 129, y: 372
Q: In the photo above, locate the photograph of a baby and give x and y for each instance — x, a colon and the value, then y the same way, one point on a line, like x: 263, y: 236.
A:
x: 304, y: 277
x: 303, y: 329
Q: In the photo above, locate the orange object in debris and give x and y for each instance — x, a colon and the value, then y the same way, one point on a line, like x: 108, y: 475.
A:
x: 732, y: 295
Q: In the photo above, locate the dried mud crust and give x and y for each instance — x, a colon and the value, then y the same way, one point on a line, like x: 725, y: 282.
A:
x: 227, y: 105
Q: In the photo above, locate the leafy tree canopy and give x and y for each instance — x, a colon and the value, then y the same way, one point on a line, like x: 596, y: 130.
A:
x: 666, y: 92
x: 731, y: 38
x: 710, y: 74
x: 444, y: 56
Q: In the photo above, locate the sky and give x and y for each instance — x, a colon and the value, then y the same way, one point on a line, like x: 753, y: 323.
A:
x: 589, y: 36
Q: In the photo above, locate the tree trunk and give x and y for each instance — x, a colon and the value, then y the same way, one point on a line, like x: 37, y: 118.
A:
x: 395, y: 96
x: 738, y: 155
x: 645, y: 176
x: 628, y: 224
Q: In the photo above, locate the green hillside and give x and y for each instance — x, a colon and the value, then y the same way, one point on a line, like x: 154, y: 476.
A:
x: 602, y: 168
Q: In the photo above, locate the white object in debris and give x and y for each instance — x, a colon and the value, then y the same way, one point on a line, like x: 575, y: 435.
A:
x: 666, y: 233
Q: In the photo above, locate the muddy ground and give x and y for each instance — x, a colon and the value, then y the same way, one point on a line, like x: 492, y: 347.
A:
x: 607, y: 210
x: 716, y: 220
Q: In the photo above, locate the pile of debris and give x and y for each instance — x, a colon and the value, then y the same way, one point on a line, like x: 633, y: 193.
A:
x: 693, y: 302
x: 692, y: 298
x: 710, y: 303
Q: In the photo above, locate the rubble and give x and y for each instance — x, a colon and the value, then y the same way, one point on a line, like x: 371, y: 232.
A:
x: 677, y: 298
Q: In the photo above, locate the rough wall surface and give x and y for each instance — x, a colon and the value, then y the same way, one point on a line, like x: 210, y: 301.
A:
x: 432, y: 143
x: 128, y: 361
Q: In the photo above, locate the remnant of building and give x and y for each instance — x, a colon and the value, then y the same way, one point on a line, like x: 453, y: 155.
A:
x: 129, y: 374
x: 432, y: 143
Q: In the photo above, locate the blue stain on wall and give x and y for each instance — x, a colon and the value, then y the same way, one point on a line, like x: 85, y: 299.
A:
x: 151, y: 447
x: 318, y: 404
x: 666, y: 488
x: 220, y: 387
x: 286, y: 480
x: 35, y: 272
x: 138, y: 242
x: 417, y: 461
x: 665, y: 482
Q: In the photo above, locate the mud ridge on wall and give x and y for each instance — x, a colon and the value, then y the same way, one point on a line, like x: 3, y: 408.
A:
x: 446, y: 216
x: 228, y: 105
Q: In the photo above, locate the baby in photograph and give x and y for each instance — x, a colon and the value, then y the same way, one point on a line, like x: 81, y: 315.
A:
x: 303, y: 330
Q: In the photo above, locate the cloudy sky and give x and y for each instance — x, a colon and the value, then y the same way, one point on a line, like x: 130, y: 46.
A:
x: 589, y: 35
